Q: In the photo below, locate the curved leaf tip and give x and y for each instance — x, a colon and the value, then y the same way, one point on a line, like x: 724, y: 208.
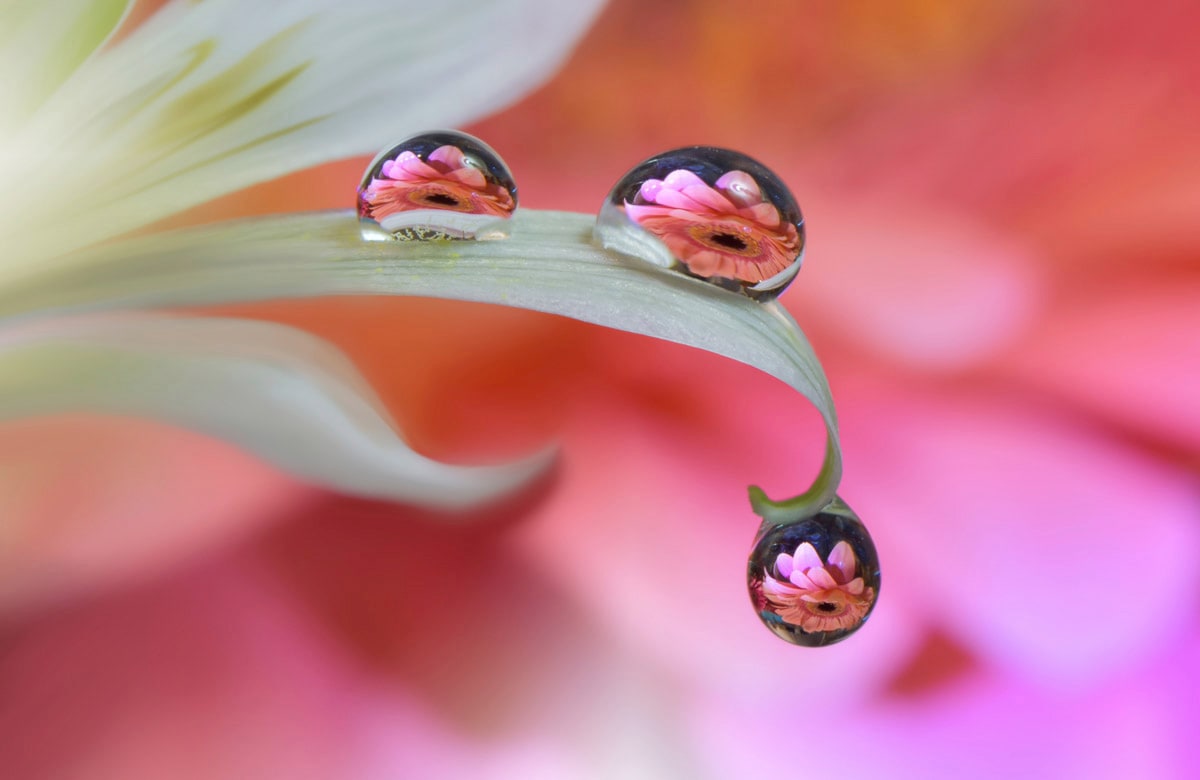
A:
x: 548, y: 264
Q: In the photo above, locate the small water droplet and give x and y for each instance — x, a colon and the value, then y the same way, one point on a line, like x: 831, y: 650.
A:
x: 710, y: 213
x: 437, y: 185
x: 814, y: 582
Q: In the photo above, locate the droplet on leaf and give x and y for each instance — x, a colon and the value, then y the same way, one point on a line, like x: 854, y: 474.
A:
x: 437, y: 185
x: 814, y: 582
x: 710, y: 213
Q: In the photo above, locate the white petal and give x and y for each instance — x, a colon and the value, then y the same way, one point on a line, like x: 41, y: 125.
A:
x: 279, y: 393
x: 207, y: 98
x: 547, y: 264
x: 42, y: 42
x: 842, y: 557
x: 806, y: 558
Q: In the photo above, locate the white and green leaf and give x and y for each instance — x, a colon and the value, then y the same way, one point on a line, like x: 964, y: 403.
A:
x: 548, y: 264
x: 274, y: 391
x: 207, y: 98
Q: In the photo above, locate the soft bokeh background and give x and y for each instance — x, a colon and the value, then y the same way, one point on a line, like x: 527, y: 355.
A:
x: 1002, y: 281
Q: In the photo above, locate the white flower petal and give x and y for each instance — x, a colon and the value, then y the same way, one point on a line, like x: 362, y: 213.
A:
x: 279, y: 393
x: 207, y: 98
x: 42, y: 42
x: 547, y: 264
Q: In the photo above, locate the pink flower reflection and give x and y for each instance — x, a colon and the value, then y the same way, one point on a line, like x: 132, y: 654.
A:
x: 818, y: 595
x: 445, y: 180
x: 728, y: 229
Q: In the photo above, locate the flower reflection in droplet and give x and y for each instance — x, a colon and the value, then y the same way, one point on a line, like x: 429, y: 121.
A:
x: 437, y: 185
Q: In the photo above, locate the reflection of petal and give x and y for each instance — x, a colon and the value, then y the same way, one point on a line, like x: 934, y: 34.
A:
x: 705, y: 262
x: 740, y: 187
x: 842, y: 557
x: 806, y: 558
x: 450, y: 156
x: 219, y: 99
x: 768, y: 216
x: 821, y: 578
x: 777, y: 589
x: 281, y: 394
x: 677, y: 180
x: 710, y: 200
x: 642, y: 213
x: 800, y: 580
x: 783, y: 565
x: 693, y: 199
x: 407, y: 166
x: 472, y: 177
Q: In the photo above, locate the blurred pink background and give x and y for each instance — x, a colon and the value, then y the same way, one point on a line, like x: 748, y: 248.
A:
x: 1002, y: 282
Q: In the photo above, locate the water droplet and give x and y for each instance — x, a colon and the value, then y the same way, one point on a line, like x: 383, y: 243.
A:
x: 814, y: 582
x: 711, y: 213
x: 437, y: 185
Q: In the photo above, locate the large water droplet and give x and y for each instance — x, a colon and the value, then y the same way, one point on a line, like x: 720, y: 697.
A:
x: 437, y: 185
x: 814, y: 582
x: 711, y: 213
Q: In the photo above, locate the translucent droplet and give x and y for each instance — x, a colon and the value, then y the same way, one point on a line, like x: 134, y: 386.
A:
x: 437, y: 185
x: 814, y: 582
x: 711, y: 213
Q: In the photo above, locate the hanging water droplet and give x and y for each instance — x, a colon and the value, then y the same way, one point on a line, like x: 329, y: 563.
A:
x: 711, y: 213
x: 437, y: 185
x: 814, y: 582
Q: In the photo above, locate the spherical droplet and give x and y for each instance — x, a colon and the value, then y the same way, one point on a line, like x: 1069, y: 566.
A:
x: 437, y: 185
x: 814, y: 582
x: 710, y: 213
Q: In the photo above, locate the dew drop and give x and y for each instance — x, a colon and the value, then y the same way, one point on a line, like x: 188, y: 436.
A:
x: 437, y: 185
x: 710, y: 213
x: 814, y: 582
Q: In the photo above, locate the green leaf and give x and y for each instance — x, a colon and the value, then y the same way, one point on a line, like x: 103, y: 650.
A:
x: 548, y: 264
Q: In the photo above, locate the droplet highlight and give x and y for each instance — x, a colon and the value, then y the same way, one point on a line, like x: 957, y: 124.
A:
x: 437, y: 186
x: 814, y: 582
x: 710, y: 213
